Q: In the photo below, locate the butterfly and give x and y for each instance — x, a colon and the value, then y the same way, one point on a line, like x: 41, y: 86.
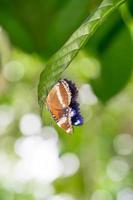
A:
x: 62, y: 103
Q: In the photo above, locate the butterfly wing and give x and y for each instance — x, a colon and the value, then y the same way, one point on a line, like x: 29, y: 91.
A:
x: 52, y: 99
x: 63, y: 118
x: 59, y: 97
x: 61, y: 101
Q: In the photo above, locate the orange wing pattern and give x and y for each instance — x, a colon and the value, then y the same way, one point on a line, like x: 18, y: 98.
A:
x: 53, y: 100
x: 67, y: 125
x: 65, y: 93
x: 62, y: 119
x: 58, y: 101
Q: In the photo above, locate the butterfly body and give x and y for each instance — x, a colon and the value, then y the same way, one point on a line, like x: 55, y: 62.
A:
x: 62, y: 103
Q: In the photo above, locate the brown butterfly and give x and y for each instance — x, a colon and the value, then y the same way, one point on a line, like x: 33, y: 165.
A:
x: 61, y: 102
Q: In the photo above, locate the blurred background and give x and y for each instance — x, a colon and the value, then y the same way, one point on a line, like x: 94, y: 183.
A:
x: 42, y: 162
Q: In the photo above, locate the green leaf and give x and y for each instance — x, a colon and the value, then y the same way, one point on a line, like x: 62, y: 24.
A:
x: 60, y: 61
x: 116, y: 66
x: 41, y: 25
x: 59, y: 31
x: 113, y: 45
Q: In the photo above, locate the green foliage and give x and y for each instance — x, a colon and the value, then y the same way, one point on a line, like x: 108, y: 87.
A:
x: 116, y: 73
x: 113, y: 46
x: 40, y: 26
x: 38, y: 161
x: 58, y: 63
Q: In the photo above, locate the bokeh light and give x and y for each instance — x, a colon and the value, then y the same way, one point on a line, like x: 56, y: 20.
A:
x: 39, y: 159
x: 91, y: 66
x: 43, y: 191
x: 101, y: 195
x: 30, y: 124
x: 6, y: 117
x: 125, y: 194
x: 123, y: 144
x: 86, y: 95
x: 49, y: 133
x: 13, y: 71
x: 117, y: 169
x: 70, y: 164
x: 61, y: 197
x: 6, y: 166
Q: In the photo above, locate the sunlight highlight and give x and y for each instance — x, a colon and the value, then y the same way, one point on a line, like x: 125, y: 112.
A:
x: 101, y: 195
x: 30, y: 124
x: 39, y: 159
x: 70, y: 164
x: 6, y: 117
x: 13, y: 71
x: 125, y: 194
x: 117, y: 169
x: 123, y: 144
x: 61, y: 197
x: 86, y: 95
